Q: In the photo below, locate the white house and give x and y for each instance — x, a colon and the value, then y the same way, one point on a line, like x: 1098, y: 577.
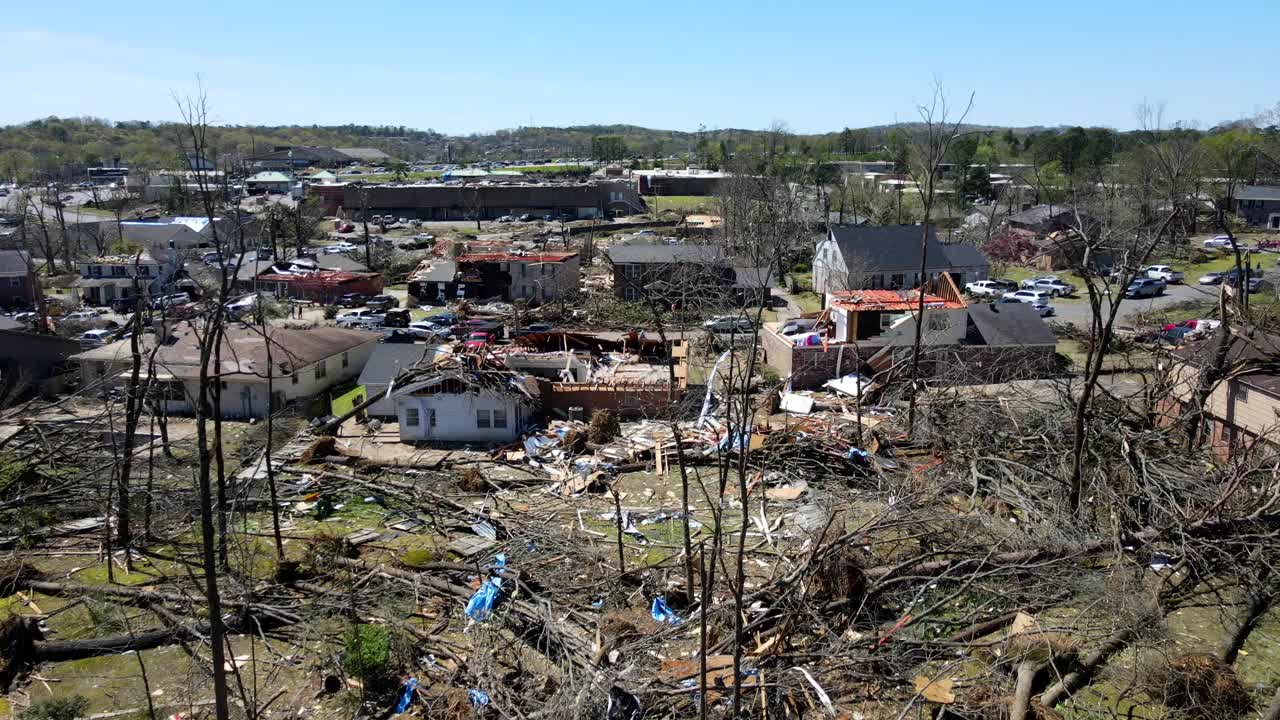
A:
x: 304, y: 363
x: 455, y: 405
x: 864, y: 257
x: 107, y: 279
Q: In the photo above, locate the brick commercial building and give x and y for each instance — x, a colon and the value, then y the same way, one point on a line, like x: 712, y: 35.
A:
x: 490, y: 201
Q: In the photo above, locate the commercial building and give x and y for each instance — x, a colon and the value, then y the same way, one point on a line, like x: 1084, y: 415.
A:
x: 488, y: 201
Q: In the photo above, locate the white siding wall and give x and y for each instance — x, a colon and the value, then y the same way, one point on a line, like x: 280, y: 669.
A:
x: 455, y: 416
x: 254, y: 403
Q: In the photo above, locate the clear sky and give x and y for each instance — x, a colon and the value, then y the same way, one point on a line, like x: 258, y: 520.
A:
x: 463, y: 67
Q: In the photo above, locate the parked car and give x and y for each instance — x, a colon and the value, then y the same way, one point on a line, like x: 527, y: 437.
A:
x: 1050, y: 285
x: 1253, y: 279
x: 362, y: 318
x: 527, y: 217
x: 1221, y: 241
x: 396, y: 318
x: 728, y: 324
x: 27, y: 318
x: 1211, y: 278
x: 1144, y: 287
x: 478, y: 340
x: 169, y: 301
x: 1033, y: 297
x: 796, y: 326
x: 399, y: 336
x: 533, y: 328
x: 211, y: 258
x: 507, y: 219
x: 95, y: 338
x: 985, y: 288
x: 427, y: 331
x: 82, y: 316
x: 351, y: 300
x: 1162, y: 272
x: 464, y: 329
x: 1044, y: 308
x: 340, y: 247
x: 444, y: 319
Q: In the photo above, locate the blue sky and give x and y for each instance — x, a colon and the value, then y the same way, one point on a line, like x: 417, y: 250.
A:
x: 480, y: 66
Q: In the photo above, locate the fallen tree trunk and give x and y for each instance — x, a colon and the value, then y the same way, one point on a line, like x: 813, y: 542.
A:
x: 1089, y: 664
x: 63, y: 650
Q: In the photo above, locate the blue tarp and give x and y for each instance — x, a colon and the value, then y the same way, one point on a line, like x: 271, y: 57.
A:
x: 662, y: 613
x: 478, y: 698
x: 480, y: 606
x: 406, y: 698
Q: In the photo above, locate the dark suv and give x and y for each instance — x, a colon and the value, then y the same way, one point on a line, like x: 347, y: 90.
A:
x: 381, y: 302
x: 351, y: 300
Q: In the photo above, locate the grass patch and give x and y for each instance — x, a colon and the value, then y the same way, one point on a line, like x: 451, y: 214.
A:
x: 808, y: 301
x: 682, y: 203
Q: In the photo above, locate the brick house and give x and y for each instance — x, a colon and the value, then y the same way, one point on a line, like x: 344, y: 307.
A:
x: 1240, y: 409
x: 18, y: 285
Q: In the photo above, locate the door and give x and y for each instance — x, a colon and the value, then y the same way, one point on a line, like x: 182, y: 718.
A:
x: 246, y: 401
x: 1274, y: 222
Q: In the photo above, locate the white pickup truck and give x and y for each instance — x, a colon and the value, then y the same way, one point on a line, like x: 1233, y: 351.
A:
x: 1161, y: 272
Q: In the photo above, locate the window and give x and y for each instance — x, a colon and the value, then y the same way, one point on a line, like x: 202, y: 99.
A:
x: 483, y: 419
x: 411, y: 417
x: 144, y: 270
x: 500, y: 419
x: 631, y: 271
x: 524, y: 269
x: 95, y: 270
x: 898, y: 280
x: 294, y: 378
x: 431, y: 418
x: 1242, y: 393
x: 117, y: 271
x: 345, y: 360
x: 321, y: 370
x: 15, y: 282
x: 630, y: 294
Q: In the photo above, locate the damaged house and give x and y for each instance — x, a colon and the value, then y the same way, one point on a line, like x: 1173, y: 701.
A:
x: 457, y: 400
x: 682, y: 273
x: 533, y: 276
x: 580, y: 373
x: 873, y: 332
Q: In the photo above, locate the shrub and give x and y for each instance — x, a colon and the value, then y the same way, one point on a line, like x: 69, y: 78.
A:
x: 330, y: 312
x: 604, y: 427
x: 63, y: 708
x: 368, y: 653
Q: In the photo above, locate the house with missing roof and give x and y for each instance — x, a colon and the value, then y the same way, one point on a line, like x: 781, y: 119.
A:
x: 1259, y: 206
x: 387, y: 362
x: 862, y: 257
x: 873, y: 332
x: 456, y: 401
x: 537, y: 277
x: 112, y: 279
x: 681, y: 273
x: 1242, y: 410
x: 304, y: 363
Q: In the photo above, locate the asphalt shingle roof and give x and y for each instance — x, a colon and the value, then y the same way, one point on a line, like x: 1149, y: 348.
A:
x: 1010, y: 324
x: 889, y: 248
x: 1259, y: 192
x: 13, y: 261
x: 680, y: 253
x: 388, y: 359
